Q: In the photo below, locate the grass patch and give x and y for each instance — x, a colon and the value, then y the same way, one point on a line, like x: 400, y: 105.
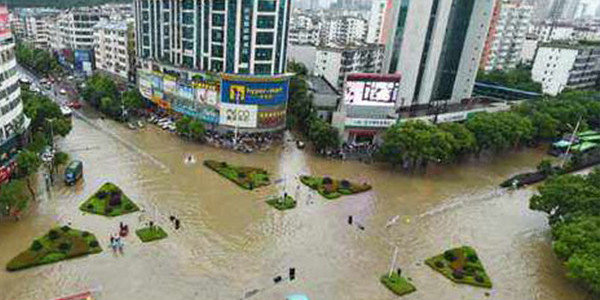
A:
x: 282, y: 204
x: 109, y: 201
x: 149, y: 234
x: 246, y: 177
x: 461, y: 265
x: 333, y: 188
x: 397, y: 284
x: 58, y: 244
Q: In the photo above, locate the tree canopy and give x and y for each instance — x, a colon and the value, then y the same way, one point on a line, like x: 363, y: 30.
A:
x: 41, y: 61
x: 572, y: 203
x: 519, y: 78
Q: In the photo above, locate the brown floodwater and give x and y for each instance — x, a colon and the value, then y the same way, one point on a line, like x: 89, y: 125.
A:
x: 232, y: 243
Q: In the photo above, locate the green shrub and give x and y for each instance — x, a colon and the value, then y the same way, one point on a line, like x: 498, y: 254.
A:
x: 101, y: 194
x: 472, y: 258
x: 479, y: 278
x: 327, y: 181
x: 128, y: 206
x: 108, y: 210
x: 439, y: 264
x: 223, y: 164
x: 36, y: 246
x: 449, y: 255
x: 345, y: 184
x: 64, y: 247
x: 53, y: 235
x: 458, y: 274
x: 90, y: 206
x: 85, y: 234
x: 241, y: 175
x: 94, y: 244
x: 65, y: 228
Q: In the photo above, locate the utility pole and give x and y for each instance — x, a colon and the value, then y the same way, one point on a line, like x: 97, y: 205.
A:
x: 393, y: 264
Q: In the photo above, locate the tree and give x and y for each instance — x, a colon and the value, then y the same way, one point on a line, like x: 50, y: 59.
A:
x: 464, y: 141
x: 27, y: 164
x: 182, y: 126
x: 60, y: 159
x: 297, y: 68
x: 42, y: 111
x: 500, y: 131
x: 415, y: 143
x: 98, y: 87
x: 196, y: 130
x: 110, y: 107
x: 12, y: 197
x: 546, y: 167
x: 132, y: 100
x: 323, y: 135
x: 519, y: 78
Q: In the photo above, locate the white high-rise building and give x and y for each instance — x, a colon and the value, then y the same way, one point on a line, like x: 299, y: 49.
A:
x: 376, y: 20
x: 506, y: 36
x: 37, y: 30
x: 560, y: 65
x: 232, y: 36
x: 13, y: 122
x: 114, y: 46
x: 334, y: 62
x: 74, y: 28
x: 344, y: 30
x: 436, y: 46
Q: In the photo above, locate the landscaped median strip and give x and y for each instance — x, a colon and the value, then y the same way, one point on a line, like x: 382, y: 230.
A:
x: 332, y: 188
x: 58, y: 244
x: 282, y: 204
x: 397, y: 284
x: 246, y: 177
x: 151, y: 233
x: 109, y: 201
x: 461, y: 265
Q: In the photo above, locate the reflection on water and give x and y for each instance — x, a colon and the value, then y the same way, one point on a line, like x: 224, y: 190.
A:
x: 232, y: 243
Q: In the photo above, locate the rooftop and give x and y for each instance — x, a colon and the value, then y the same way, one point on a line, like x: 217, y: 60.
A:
x: 112, y: 25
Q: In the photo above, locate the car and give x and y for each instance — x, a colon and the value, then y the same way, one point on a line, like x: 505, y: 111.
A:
x: 74, y: 104
x: 70, y: 77
x: 297, y: 297
x: 73, y: 172
x: 24, y: 80
x: 62, y: 91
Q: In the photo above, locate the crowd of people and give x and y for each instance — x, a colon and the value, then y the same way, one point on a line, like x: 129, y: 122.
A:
x: 243, y: 142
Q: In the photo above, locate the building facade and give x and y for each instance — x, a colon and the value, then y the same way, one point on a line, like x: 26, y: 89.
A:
x: 13, y: 122
x: 37, y: 31
x: 304, y: 30
x: 344, y: 30
x: 74, y: 29
x: 376, y: 20
x: 506, y: 36
x: 334, y: 62
x: 561, y: 65
x: 436, y: 46
x: 114, y: 48
x: 222, y: 62
x: 232, y: 36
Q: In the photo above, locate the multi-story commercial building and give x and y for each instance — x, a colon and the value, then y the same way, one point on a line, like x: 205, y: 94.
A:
x: 114, y: 48
x: 13, y: 123
x: 379, y: 8
x: 17, y: 24
x: 220, y: 61
x: 304, y: 30
x: 530, y: 46
x: 506, y: 36
x: 74, y: 29
x: 344, y: 30
x: 560, y: 65
x: 436, y: 46
x: 37, y: 32
x: 334, y: 62
x: 232, y: 36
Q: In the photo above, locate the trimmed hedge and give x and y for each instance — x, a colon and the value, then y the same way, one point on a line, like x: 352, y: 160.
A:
x: 109, y: 201
x: 65, y: 244
x: 149, y: 234
x: 246, y: 177
x: 461, y: 265
x: 280, y: 204
x: 332, y: 188
x: 397, y: 284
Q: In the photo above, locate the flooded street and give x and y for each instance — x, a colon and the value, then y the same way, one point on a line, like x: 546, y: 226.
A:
x: 231, y: 242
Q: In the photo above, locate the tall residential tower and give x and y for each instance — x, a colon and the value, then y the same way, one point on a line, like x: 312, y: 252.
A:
x: 436, y: 46
x: 232, y: 36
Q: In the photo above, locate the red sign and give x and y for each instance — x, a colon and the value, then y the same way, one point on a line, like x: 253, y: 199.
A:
x: 4, y: 23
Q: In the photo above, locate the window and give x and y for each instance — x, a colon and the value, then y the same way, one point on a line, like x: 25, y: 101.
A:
x: 166, y: 17
x: 265, y: 22
x: 266, y: 5
x: 264, y: 38
x: 188, y: 4
x: 188, y: 45
x: 263, y: 54
x: 262, y: 69
x: 188, y: 32
x: 216, y: 66
x: 217, y: 51
x: 188, y: 61
x: 218, y: 5
x: 188, y: 18
x: 217, y: 35
x: 218, y: 20
x: 166, y: 4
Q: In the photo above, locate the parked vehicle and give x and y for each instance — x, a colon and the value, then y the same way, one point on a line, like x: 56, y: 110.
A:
x: 73, y: 172
x: 297, y: 297
x: 63, y: 91
x: 131, y: 126
x: 74, y: 104
x: 140, y: 124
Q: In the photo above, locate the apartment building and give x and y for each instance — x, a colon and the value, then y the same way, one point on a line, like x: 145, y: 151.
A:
x: 505, y: 39
x: 344, y: 30
x: 334, y: 62
x: 560, y: 65
x: 114, y: 47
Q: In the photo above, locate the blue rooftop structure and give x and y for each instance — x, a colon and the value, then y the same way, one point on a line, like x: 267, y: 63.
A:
x: 502, y: 92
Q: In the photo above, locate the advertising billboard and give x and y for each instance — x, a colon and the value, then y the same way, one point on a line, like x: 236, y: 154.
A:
x: 4, y: 22
x: 207, y: 94
x: 237, y: 115
x: 145, y: 83
x: 264, y: 93
x: 272, y: 117
x: 170, y: 84
x: 81, y: 58
x: 371, y: 89
x: 185, y: 91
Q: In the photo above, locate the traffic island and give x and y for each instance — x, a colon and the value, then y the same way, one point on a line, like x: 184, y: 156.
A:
x: 246, y: 177
x: 397, y: 284
x: 151, y: 233
x: 109, y: 201
x: 332, y: 188
x: 282, y: 204
x: 58, y: 244
x: 461, y: 265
